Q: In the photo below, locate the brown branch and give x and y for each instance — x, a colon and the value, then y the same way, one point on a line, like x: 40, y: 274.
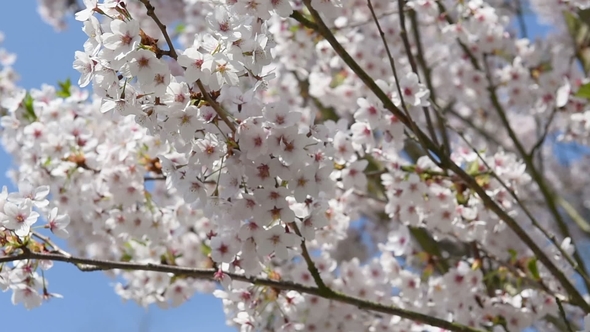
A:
x: 428, y: 79
x: 313, y: 270
x: 579, y: 265
x: 391, y: 61
x: 151, y: 12
x: 443, y: 12
x: 544, y: 133
x: 50, y: 243
x: 448, y: 163
x: 412, y: 60
x: 220, y: 112
x: 564, y: 316
x: 152, y: 178
x: 210, y: 274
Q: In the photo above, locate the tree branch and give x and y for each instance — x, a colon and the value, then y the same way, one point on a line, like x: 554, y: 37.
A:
x: 563, y: 315
x: 411, y: 59
x: 538, y: 178
x: 209, y: 274
x: 151, y: 12
x: 220, y: 111
x: 446, y: 162
x: 313, y: 270
x: 428, y: 79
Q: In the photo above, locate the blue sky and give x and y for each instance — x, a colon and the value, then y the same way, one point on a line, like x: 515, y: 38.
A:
x: 89, y: 303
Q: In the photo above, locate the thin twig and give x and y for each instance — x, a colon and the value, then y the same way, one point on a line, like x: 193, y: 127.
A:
x: 359, y: 24
x: 390, y: 57
x: 527, y: 212
x: 573, y: 214
x: 152, y: 178
x: 563, y: 315
x: 579, y: 265
x: 488, y: 136
x: 397, y: 83
x: 428, y: 79
x: 151, y: 12
x: 220, y: 112
x: 50, y: 243
x: 544, y: 134
x: 443, y: 13
x: 520, y: 18
x: 412, y: 60
x: 313, y: 270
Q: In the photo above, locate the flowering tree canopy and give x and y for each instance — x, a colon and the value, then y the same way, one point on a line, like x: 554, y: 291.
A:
x: 317, y: 165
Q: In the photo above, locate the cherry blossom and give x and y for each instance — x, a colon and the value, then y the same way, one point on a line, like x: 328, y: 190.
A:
x: 20, y: 217
x: 314, y: 167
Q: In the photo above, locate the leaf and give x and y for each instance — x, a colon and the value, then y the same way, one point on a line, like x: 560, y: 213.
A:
x: 461, y: 198
x: 579, y: 29
x: 572, y: 22
x: 140, y: 242
x: 126, y: 257
x: 338, y: 79
x: 585, y: 57
x: 205, y: 249
x: 513, y: 255
x: 584, y: 91
x: 29, y: 110
x: 64, y: 89
x: 180, y: 28
x: 533, y: 269
x: 430, y: 246
x: 473, y: 168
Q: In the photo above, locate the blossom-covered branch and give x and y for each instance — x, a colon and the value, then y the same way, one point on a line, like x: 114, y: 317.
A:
x: 323, y: 165
x: 448, y: 163
x: 212, y: 274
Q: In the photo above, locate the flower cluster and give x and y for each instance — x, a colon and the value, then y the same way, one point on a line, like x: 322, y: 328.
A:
x: 390, y: 153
